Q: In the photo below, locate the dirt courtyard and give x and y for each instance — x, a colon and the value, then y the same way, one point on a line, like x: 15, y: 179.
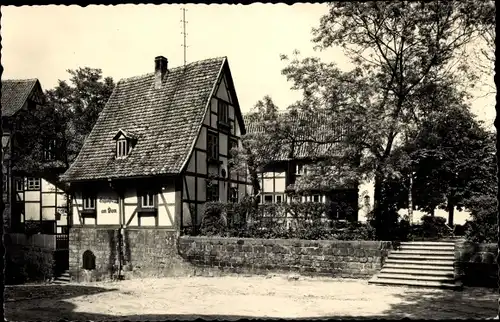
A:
x: 232, y: 298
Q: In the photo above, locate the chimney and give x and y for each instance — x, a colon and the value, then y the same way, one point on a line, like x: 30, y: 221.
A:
x: 161, y: 68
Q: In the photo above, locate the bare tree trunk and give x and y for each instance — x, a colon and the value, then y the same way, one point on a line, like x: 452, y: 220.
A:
x: 377, y: 207
x: 451, y: 210
x: 410, y: 200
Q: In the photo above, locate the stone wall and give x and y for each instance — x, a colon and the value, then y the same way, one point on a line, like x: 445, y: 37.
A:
x: 159, y: 252
x: 476, y: 264
x: 354, y: 259
x: 146, y: 252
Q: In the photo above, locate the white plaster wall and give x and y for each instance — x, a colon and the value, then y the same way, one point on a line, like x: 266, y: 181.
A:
x: 107, y: 208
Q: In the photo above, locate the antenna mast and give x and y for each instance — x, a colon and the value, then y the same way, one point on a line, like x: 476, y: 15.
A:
x: 184, y: 22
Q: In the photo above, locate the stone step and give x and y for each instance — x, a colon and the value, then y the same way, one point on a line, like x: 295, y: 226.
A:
x: 424, y: 252
x: 427, y: 243
x: 414, y: 277
x: 415, y: 283
x: 418, y: 272
x: 418, y: 266
x: 428, y: 248
x: 418, y: 256
x: 390, y: 260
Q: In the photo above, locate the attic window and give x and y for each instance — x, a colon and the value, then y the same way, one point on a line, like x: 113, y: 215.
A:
x: 223, y: 111
x: 121, y: 148
x: 124, y: 143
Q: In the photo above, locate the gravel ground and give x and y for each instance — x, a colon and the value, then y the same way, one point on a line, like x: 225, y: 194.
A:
x: 237, y: 297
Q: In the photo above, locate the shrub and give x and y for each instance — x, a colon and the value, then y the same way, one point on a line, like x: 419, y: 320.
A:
x: 267, y: 222
x: 354, y: 231
x: 28, y: 265
x: 295, y: 220
x: 214, y: 220
x: 434, y: 227
x: 484, y: 226
x: 32, y: 227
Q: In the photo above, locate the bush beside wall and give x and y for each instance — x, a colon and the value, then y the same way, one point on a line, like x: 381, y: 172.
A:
x: 24, y: 264
x: 353, y: 259
x: 476, y: 264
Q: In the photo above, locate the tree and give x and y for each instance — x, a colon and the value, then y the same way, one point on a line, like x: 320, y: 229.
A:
x: 258, y: 147
x: 484, y: 56
x: 36, y: 141
x: 400, y: 49
x: 449, y: 159
x: 79, y: 104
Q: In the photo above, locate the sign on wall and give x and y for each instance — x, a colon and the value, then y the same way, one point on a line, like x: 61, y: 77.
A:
x: 108, y: 205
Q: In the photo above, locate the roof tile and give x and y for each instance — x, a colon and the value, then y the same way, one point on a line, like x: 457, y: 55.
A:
x: 15, y: 92
x: 165, y: 121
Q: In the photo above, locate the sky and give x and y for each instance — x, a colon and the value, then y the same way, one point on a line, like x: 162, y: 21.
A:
x: 44, y: 41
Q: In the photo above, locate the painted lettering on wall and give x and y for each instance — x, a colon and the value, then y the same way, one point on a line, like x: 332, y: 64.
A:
x: 109, y: 211
x: 108, y: 200
x: 108, y: 205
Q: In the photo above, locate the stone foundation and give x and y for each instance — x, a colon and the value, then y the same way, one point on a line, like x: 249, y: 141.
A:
x: 147, y: 252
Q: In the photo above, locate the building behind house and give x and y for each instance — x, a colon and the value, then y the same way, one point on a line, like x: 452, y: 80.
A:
x: 31, y: 198
x: 296, y: 157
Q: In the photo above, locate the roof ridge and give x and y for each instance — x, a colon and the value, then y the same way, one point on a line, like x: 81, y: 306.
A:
x: 26, y: 80
x: 142, y: 76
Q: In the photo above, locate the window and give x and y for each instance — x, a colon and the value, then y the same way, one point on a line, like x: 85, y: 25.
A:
x: 268, y: 198
x: 300, y: 169
x: 88, y: 203
x: 233, y: 194
x: 147, y: 200
x: 316, y: 198
x: 212, y: 146
x: 223, y: 111
x: 121, y: 148
x: 49, y: 152
x: 33, y: 184
x: 19, y: 184
x: 279, y: 199
x: 212, y: 192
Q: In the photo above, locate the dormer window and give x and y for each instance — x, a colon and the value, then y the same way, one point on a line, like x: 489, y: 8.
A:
x: 124, y: 143
x: 121, y: 148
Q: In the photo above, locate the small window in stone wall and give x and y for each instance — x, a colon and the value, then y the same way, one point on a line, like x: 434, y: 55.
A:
x: 88, y: 260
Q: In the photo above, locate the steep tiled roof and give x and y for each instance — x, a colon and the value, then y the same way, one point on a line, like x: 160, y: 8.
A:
x: 311, y: 126
x: 15, y: 92
x: 165, y: 123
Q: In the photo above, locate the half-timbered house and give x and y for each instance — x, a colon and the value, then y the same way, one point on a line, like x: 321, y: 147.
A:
x: 30, y: 197
x: 278, y: 179
x: 159, y: 149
